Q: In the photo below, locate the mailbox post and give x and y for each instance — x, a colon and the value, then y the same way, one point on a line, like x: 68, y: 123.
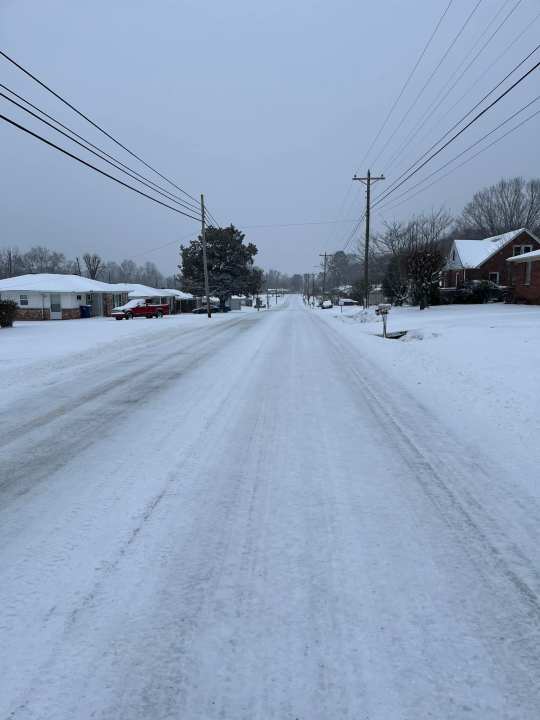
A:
x: 383, y: 309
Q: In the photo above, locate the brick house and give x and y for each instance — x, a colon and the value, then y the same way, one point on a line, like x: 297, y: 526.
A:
x: 525, y: 277
x: 486, y: 259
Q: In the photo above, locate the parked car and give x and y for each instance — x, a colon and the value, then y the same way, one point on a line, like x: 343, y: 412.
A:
x: 203, y: 309
x: 475, y: 291
x: 213, y: 309
x: 326, y: 304
x: 140, y: 308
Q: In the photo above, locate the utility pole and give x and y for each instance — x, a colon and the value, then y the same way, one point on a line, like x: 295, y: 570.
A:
x: 78, y: 266
x: 324, y: 274
x: 10, y: 262
x: 205, y: 264
x: 325, y: 256
x: 367, y: 182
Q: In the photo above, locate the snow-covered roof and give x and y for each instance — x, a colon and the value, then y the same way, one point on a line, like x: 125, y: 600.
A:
x: 54, y: 283
x: 474, y: 253
x: 524, y: 257
x: 180, y: 294
x: 136, y: 290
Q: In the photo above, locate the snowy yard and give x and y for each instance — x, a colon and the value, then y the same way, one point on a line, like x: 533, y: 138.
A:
x: 475, y: 367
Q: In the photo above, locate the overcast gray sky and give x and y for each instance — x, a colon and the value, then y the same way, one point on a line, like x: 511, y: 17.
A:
x: 266, y: 107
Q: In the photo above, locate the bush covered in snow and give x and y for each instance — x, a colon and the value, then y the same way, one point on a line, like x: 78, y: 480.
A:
x: 8, y: 309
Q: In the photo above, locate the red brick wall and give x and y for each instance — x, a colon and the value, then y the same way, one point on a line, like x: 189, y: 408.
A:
x: 528, y: 293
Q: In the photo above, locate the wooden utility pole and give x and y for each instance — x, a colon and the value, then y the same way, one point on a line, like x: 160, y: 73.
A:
x: 205, y: 263
x: 367, y: 182
x: 78, y: 266
x: 325, y: 256
x: 324, y: 274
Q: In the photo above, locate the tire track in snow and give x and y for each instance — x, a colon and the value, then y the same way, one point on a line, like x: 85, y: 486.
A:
x: 441, y: 469
x: 39, y: 447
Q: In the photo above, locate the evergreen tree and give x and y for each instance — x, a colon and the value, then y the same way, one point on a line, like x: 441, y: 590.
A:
x: 230, y: 263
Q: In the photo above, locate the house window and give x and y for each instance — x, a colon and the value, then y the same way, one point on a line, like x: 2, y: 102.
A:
x: 88, y: 299
x: 494, y: 277
x: 23, y: 299
x: 526, y: 248
x: 79, y: 297
x: 528, y: 267
x: 517, y: 250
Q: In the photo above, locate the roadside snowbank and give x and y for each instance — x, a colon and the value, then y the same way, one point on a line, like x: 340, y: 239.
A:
x: 476, y: 367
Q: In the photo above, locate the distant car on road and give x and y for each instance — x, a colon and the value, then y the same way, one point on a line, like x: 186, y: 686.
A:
x: 140, y: 308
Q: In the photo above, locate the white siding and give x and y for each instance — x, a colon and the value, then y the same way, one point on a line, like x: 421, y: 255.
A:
x: 35, y: 300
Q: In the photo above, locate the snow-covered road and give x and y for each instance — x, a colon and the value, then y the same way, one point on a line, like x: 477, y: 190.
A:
x: 244, y: 520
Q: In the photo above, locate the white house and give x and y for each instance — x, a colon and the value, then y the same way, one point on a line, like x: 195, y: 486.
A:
x: 46, y: 296
x: 171, y: 296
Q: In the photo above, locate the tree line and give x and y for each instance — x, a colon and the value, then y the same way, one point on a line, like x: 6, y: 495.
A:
x: 40, y: 259
x: 406, y: 257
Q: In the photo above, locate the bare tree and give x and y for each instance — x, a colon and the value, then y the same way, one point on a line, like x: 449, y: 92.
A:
x: 148, y: 274
x: 425, y: 258
x: 11, y: 262
x: 508, y: 205
x: 128, y: 270
x: 94, y: 265
x: 415, y: 254
x: 40, y: 259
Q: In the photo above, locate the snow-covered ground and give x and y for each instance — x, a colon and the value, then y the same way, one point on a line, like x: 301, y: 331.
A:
x: 263, y: 517
x: 30, y: 342
x: 475, y: 367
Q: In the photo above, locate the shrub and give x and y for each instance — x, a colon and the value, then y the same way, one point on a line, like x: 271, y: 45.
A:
x: 8, y: 309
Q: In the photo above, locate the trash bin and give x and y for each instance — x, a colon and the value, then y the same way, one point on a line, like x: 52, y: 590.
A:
x: 86, y: 311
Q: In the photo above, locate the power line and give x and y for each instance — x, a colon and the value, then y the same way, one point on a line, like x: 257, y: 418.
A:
x: 298, y: 224
x: 341, y: 212
x: 467, y: 149
x: 165, y: 193
x: 98, y: 127
x: 430, y: 78
x: 467, y: 160
x: 93, y: 167
x: 406, y: 83
x: 212, y: 218
x: 445, y: 92
x: 494, y: 62
x: 353, y: 231
x: 186, y: 203
x: 471, y: 122
x: 161, y: 247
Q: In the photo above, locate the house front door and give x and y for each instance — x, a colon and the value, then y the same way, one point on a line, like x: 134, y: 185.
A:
x: 56, y: 307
